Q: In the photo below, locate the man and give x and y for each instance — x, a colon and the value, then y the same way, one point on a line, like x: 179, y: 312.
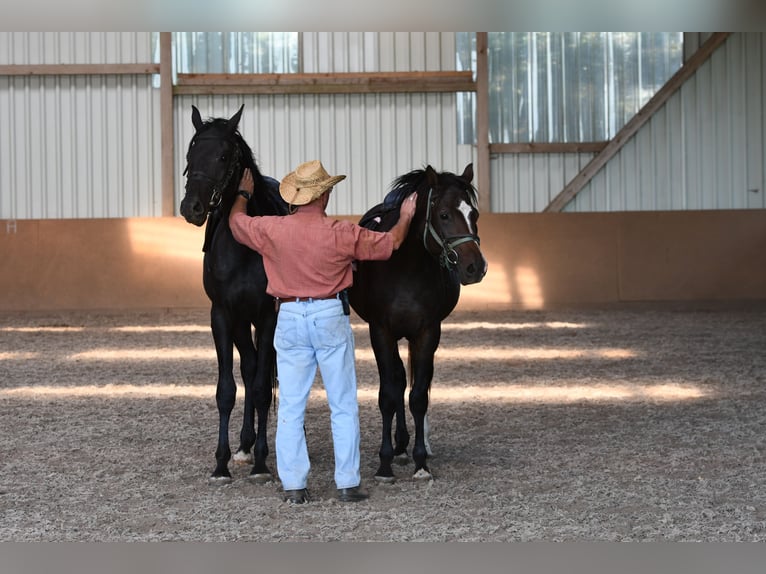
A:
x: 308, y: 260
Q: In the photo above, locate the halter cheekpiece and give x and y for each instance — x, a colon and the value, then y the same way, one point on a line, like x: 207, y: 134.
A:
x: 448, y: 257
x: 218, y: 185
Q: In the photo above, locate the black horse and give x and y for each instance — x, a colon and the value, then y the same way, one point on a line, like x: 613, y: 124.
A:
x: 235, y: 282
x: 409, y: 295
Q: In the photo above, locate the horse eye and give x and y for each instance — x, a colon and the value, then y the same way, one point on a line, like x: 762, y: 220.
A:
x: 223, y: 158
x: 444, y: 215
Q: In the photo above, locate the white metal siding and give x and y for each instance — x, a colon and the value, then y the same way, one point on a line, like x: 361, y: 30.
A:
x: 78, y: 146
x: 526, y: 183
x: 373, y: 138
x: 704, y: 149
x: 75, y: 47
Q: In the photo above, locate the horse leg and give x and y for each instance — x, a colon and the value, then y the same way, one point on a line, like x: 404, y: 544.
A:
x: 248, y: 364
x: 392, y: 385
x: 422, y: 353
x: 401, y: 436
x: 262, y: 393
x: 225, y: 394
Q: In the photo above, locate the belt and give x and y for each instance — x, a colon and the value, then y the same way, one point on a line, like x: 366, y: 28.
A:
x: 306, y: 299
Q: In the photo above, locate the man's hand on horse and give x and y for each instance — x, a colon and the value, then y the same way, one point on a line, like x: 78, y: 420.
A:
x: 407, y: 209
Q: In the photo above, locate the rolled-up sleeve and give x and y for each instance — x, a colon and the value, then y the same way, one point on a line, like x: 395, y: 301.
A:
x: 247, y: 230
x: 372, y: 245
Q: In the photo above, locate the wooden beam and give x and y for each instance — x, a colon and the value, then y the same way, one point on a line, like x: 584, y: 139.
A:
x: 581, y: 147
x: 344, y: 83
x: 167, y: 163
x: 482, y: 123
x: 77, y: 69
x: 636, y: 122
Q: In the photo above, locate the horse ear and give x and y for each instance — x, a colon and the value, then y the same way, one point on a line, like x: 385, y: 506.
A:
x: 234, y: 120
x: 468, y: 173
x: 196, y: 118
x: 431, y: 176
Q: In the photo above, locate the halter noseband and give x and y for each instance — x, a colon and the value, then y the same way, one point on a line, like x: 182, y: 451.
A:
x: 448, y: 256
x: 218, y: 186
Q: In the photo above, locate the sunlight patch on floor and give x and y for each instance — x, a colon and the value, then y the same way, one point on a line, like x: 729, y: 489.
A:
x: 18, y: 355
x: 366, y: 354
x: 161, y: 329
x: 52, y: 329
x: 561, y: 394
x: 552, y: 394
x: 522, y: 354
x: 154, y: 354
x: 470, y: 326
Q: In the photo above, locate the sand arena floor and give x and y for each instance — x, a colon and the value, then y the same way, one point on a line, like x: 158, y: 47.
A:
x: 546, y: 425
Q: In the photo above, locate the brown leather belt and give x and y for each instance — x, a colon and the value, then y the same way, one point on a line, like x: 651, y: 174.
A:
x: 298, y: 299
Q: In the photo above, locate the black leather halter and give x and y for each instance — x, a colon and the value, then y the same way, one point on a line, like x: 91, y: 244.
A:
x: 448, y: 256
x: 219, y: 186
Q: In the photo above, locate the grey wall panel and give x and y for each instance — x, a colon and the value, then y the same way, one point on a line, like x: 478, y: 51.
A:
x: 703, y: 150
x: 79, y: 146
x: 75, y: 47
x: 371, y: 138
x: 335, y: 52
x: 526, y: 183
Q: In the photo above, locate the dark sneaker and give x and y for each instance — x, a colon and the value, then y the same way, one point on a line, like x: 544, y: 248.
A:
x: 354, y: 494
x: 296, y: 496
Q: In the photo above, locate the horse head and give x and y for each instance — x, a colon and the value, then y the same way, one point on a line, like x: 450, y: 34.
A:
x: 450, y: 231
x: 215, y: 161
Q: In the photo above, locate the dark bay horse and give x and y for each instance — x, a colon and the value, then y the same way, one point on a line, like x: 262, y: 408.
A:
x: 409, y: 295
x: 235, y: 281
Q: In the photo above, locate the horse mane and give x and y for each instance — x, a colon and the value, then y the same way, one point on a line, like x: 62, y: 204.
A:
x: 401, y: 188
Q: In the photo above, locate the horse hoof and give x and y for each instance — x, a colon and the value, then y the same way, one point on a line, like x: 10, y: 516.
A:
x: 401, y: 459
x: 242, y: 457
x: 385, y: 479
x: 219, y: 480
x: 422, y: 475
x: 260, y: 477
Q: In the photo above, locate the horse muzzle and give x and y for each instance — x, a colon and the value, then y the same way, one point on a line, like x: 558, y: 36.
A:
x: 472, y: 270
x: 193, y: 211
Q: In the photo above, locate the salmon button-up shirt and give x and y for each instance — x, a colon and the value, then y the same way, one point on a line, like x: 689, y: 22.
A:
x: 308, y: 254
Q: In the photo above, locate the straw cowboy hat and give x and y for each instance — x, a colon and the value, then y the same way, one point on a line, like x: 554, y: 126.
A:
x: 306, y: 183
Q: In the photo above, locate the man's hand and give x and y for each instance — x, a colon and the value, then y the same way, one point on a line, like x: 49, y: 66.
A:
x: 246, y: 183
x: 407, y: 210
x: 240, y: 202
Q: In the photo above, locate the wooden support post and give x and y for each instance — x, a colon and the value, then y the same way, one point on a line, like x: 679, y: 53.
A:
x: 482, y: 123
x: 166, y: 125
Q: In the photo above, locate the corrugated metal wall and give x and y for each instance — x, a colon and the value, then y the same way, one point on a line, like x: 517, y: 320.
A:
x: 75, y: 47
x: 78, y: 146
x: 705, y: 149
x: 372, y: 138
x: 89, y: 146
x: 527, y: 182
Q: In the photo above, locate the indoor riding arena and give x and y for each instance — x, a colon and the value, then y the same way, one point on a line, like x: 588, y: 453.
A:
x: 604, y: 381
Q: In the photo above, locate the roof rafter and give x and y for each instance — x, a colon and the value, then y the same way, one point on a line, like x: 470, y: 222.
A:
x: 636, y: 122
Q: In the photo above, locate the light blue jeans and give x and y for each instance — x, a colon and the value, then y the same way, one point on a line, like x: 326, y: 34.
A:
x: 315, y: 333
